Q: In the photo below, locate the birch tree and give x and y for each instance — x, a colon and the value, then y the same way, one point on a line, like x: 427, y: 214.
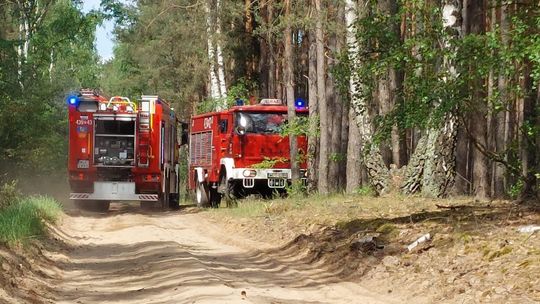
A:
x: 354, y: 161
x: 215, y: 92
x: 218, y: 88
x: 432, y: 165
x: 359, y: 94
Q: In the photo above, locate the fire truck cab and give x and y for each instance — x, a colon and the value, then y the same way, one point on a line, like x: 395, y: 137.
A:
x: 121, y: 150
x: 241, y: 151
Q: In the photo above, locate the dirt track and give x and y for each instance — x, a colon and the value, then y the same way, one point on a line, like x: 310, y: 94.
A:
x: 130, y: 256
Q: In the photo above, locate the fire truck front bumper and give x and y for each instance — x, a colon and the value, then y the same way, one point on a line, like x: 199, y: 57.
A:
x: 114, y: 191
x: 275, y: 178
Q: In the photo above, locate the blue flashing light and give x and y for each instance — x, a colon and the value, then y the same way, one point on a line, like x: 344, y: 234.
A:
x: 239, y: 102
x: 72, y: 100
x: 299, y: 103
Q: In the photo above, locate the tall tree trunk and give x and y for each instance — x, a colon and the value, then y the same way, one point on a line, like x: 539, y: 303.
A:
x: 371, y: 154
x: 501, y: 140
x: 388, y: 85
x: 432, y: 165
x: 289, y: 84
x: 530, y: 154
x: 214, y: 82
x: 481, y: 186
x: 354, y: 159
x: 323, y: 186
x: 335, y: 111
x: 354, y: 146
x: 219, y: 55
x: 313, y: 143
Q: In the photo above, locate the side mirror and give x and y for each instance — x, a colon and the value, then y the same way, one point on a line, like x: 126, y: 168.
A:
x: 241, y: 130
x: 184, y: 135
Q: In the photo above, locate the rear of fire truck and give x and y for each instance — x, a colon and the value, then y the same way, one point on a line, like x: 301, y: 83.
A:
x: 120, y: 150
x: 242, y: 151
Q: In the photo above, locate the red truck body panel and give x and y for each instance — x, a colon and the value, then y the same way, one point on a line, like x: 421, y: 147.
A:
x: 115, y: 144
x: 213, y: 140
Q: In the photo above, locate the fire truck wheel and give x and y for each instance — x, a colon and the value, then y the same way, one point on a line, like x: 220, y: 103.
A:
x: 95, y: 206
x: 174, y: 201
x: 215, y: 198
x: 101, y: 206
x: 147, y: 205
x: 201, y: 195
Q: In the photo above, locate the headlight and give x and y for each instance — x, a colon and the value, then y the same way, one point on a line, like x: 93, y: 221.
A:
x: 249, y: 173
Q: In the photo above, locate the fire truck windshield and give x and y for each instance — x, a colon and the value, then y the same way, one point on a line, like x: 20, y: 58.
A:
x: 261, y: 123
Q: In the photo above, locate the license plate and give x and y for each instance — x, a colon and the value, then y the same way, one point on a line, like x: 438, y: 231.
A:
x: 278, y: 174
x: 83, y: 164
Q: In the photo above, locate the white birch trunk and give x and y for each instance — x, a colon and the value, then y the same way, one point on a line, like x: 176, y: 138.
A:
x: 432, y: 166
x: 51, y: 65
x: 219, y: 55
x: 20, y: 51
x: 377, y: 171
x: 214, y: 82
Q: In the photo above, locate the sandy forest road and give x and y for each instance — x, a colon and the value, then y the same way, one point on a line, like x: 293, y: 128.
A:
x: 128, y: 256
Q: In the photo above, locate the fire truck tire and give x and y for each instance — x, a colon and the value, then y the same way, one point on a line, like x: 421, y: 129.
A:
x: 215, y: 198
x: 147, y: 205
x: 101, y: 206
x: 174, y: 201
x: 202, y: 195
x: 95, y: 206
x: 231, y: 193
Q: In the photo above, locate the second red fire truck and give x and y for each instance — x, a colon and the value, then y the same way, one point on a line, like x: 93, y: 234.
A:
x: 241, y: 151
x: 121, y: 150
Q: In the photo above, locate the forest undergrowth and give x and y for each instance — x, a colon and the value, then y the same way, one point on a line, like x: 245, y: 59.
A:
x: 475, y: 252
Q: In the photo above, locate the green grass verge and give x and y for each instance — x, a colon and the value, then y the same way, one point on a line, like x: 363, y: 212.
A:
x: 25, y: 219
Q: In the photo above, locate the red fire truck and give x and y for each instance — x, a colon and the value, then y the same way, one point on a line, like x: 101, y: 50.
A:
x: 121, y: 150
x: 241, y: 151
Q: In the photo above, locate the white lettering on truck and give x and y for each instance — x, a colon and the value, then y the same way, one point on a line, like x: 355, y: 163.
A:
x: 208, y: 122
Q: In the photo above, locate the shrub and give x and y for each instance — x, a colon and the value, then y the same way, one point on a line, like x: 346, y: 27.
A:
x: 9, y: 194
x: 25, y: 219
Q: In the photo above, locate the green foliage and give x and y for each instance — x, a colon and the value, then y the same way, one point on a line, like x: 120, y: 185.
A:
x: 26, y: 218
x: 337, y: 157
x: 160, y: 50
x: 365, y: 191
x: 209, y: 105
x: 516, y: 189
x: 296, y: 189
x: 9, y: 194
x: 33, y: 85
x: 298, y: 126
x: 269, y: 163
x: 243, y: 89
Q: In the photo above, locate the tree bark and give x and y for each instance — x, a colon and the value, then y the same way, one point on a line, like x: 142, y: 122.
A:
x: 388, y: 85
x: 323, y: 186
x: 354, y: 153
x: 335, y: 111
x: 501, y: 140
x: 371, y: 154
x: 529, y: 151
x: 214, y: 82
x: 219, y: 55
x: 289, y: 84
x: 313, y: 143
x: 432, y: 165
x: 481, y: 186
